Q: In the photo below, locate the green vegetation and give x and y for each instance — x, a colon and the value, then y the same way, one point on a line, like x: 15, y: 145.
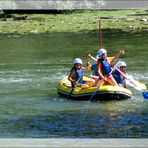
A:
x: 113, y: 20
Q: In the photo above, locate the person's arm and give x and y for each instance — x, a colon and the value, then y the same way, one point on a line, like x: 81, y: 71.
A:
x: 99, y: 70
x: 120, y: 53
x: 72, y: 76
x: 88, y: 58
x: 88, y: 64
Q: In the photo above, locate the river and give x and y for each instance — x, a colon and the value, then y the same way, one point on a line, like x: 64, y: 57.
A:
x: 33, y: 64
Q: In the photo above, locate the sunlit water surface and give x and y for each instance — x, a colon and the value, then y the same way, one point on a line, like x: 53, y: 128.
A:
x: 32, y: 65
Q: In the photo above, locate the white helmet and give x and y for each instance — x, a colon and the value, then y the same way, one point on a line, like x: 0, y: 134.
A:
x: 121, y: 63
x: 77, y: 61
x: 100, y: 53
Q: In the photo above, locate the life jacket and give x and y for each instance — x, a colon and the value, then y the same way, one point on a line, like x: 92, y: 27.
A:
x: 105, y: 67
x: 79, y: 75
x: 118, y: 77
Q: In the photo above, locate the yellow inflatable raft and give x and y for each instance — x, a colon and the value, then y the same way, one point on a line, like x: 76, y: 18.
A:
x: 105, y: 92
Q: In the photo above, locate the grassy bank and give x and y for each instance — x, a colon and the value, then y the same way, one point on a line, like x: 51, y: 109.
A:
x: 113, y: 20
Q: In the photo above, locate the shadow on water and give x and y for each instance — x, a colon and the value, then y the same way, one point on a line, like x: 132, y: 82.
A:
x: 33, y: 64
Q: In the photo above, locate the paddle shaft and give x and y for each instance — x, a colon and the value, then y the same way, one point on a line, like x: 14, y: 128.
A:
x: 73, y: 86
x: 93, y: 58
x: 95, y: 91
x: 100, y: 34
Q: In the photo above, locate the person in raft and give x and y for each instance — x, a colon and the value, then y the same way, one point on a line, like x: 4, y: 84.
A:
x: 120, y: 79
x: 109, y: 59
x: 102, y: 54
x: 76, y: 75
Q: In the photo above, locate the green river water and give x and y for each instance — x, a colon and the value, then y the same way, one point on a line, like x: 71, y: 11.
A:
x: 31, y: 66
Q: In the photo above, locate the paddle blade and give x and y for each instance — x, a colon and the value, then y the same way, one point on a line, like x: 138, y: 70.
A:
x: 145, y: 95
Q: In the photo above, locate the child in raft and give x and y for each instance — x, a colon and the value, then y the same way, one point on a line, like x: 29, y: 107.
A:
x: 102, y: 68
x: 76, y: 75
x: 120, y: 79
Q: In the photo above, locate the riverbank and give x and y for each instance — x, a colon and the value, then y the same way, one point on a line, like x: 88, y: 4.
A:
x: 76, y: 21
